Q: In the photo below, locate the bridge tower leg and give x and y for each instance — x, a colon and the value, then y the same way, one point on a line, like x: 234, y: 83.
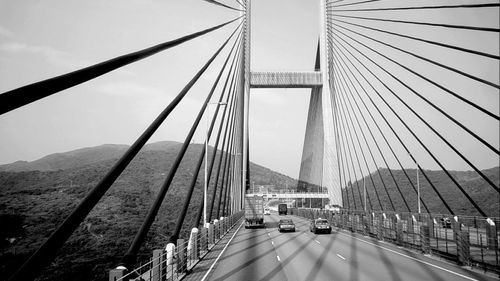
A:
x: 246, y: 98
x: 319, y: 165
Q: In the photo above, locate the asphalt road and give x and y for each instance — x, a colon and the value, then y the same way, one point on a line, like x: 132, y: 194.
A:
x: 266, y: 254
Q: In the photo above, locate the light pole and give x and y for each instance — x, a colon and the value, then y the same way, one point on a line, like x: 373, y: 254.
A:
x: 364, y: 192
x: 418, y: 184
x: 418, y: 189
x: 205, y: 187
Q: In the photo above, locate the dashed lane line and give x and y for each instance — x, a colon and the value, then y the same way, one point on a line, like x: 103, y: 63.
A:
x: 340, y: 256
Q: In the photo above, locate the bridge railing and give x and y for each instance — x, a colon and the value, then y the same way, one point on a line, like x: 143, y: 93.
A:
x: 470, y: 241
x: 176, y: 260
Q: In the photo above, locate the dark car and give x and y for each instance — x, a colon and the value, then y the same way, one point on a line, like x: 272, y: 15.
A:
x: 320, y: 225
x: 282, y: 209
x: 286, y: 225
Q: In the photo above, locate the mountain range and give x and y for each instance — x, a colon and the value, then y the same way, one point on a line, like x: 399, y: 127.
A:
x: 37, y: 196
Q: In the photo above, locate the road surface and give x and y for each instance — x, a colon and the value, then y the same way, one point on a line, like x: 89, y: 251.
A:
x: 266, y: 254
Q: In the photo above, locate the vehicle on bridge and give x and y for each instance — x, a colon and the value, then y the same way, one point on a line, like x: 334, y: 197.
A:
x: 320, y: 225
x: 286, y: 225
x: 282, y: 209
x: 254, y: 211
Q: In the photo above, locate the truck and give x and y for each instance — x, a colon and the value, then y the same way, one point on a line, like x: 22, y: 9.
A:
x: 254, y: 211
x: 282, y: 209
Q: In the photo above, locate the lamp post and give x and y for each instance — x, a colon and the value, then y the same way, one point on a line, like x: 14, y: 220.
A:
x: 418, y: 189
x: 364, y: 192
x: 205, y: 187
x: 418, y: 185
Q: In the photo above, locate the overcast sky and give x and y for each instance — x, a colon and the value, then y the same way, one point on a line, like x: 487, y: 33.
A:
x: 42, y: 39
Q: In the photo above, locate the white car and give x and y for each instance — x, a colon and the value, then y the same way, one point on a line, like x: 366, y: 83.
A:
x: 267, y: 211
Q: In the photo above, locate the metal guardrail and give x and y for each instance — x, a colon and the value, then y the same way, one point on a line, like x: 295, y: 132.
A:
x: 469, y: 241
x: 176, y: 260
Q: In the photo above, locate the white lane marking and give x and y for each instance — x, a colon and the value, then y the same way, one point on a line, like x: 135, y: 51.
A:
x: 317, y: 241
x: 412, y: 258
x: 218, y: 257
x: 278, y: 257
x: 340, y: 256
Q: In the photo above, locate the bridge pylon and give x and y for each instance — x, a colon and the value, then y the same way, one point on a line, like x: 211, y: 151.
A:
x: 319, y: 164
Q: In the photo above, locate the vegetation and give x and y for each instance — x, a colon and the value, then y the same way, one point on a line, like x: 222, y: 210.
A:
x: 37, y: 196
x: 476, y: 187
x: 33, y: 203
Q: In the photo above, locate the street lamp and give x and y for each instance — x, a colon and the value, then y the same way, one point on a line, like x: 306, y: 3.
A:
x: 364, y: 192
x: 205, y: 188
x: 418, y: 184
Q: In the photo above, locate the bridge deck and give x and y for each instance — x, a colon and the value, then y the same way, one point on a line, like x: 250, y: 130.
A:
x: 266, y: 254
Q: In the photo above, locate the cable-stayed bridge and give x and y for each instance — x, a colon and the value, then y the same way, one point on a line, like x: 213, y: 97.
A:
x: 393, y: 82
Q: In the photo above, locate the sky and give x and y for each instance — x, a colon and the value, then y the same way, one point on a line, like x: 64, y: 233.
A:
x: 42, y: 39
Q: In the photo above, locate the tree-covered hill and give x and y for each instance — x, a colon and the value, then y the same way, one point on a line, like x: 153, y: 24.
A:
x: 476, y: 187
x: 35, y: 197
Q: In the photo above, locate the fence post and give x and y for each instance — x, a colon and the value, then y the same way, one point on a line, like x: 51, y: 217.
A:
x: 350, y: 221
x: 415, y: 229
x: 181, y: 256
x: 463, y: 247
x: 354, y: 222
x: 366, y: 223
x: 342, y: 219
x: 157, y: 265
x: 381, y: 226
x: 409, y: 224
x: 399, y: 230
x: 117, y: 273
x: 491, y: 235
x: 211, y: 240
x: 430, y: 224
x: 222, y: 225
x: 456, y: 226
x: 203, y: 239
x: 170, y: 249
x: 425, y: 238
x: 193, y: 247
x: 216, y: 228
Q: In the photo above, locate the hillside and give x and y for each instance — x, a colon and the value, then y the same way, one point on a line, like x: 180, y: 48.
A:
x: 67, y: 160
x: 34, y: 202
x: 263, y: 176
x: 483, y: 194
